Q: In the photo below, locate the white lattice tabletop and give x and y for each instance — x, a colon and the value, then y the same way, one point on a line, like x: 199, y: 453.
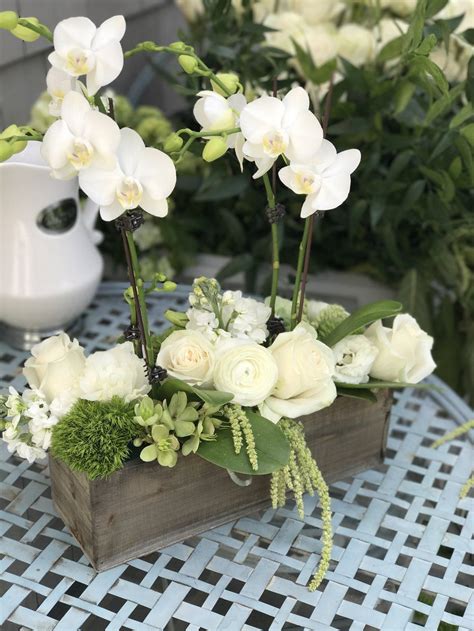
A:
x: 401, y: 558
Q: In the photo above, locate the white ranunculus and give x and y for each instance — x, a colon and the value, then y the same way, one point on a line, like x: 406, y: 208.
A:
x: 321, y: 42
x: 273, y: 127
x: 404, y: 350
x: 114, y: 372
x: 189, y: 356
x: 400, y: 7
x: 356, y: 44
x: 305, y: 375
x: 143, y: 176
x: 354, y: 355
x: 59, y: 83
x: 80, y: 48
x: 325, y: 180
x: 214, y: 112
x: 455, y: 8
x: 82, y: 138
x: 246, y: 370
x: 55, y: 366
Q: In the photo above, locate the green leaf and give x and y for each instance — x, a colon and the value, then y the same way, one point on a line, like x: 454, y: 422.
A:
x: 462, y: 116
x: 415, y: 30
x: 468, y: 133
x: 172, y: 385
x: 403, y: 96
x: 345, y: 390
x: 391, y: 50
x: 413, y: 294
x: 468, y: 35
x: 427, y: 45
x: 465, y: 150
x: 433, y: 7
x: 362, y: 317
x: 148, y: 454
x: 271, y: 445
x: 424, y: 66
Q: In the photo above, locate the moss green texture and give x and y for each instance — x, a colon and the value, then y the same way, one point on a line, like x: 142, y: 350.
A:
x: 94, y: 436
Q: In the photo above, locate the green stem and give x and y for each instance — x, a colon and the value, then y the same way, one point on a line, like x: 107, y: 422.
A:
x: 141, y: 295
x: 200, y: 134
x: 275, y: 247
x: 299, y: 271
x: 22, y: 138
x: 41, y: 29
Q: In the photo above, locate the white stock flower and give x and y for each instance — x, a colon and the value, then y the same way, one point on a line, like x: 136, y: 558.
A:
x: 143, y: 177
x: 245, y: 318
x: 55, y: 366
x: 246, y: 370
x: 354, y: 355
x: 205, y: 322
x: 305, y: 375
x: 80, y: 48
x: 214, y: 112
x: 404, y: 350
x: 59, y: 83
x: 189, y: 356
x: 325, y: 180
x: 29, y: 452
x: 356, y: 44
x: 82, y: 138
x: 273, y: 127
x: 114, y: 372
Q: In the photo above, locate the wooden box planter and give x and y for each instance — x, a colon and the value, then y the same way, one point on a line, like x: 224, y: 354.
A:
x: 143, y: 508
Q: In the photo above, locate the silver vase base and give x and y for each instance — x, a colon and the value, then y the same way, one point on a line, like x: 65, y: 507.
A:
x: 25, y: 339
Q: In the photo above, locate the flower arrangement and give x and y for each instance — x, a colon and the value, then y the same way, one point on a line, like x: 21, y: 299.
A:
x: 231, y: 376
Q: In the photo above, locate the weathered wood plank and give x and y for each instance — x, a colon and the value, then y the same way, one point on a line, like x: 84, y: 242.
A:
x: 143, y: 508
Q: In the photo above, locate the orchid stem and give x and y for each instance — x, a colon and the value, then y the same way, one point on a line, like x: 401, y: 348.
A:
x: 299, y: 269
x: 275, y: 247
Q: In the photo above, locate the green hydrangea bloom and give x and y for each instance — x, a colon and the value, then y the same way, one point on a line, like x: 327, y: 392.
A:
x: 328, y: 318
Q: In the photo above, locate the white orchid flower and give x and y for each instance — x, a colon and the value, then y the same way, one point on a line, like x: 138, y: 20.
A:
x: 58, y: 84
x: 143, y: 177
x: 80, y: 48
x: 273, y: 127
x: 325, y: 179
x: 213, y: 111
x: 81, y: 138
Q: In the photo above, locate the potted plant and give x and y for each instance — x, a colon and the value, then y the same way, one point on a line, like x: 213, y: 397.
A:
x: 148, y: 439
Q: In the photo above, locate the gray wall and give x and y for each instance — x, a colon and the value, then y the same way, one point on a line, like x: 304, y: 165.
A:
x: 23, y: 66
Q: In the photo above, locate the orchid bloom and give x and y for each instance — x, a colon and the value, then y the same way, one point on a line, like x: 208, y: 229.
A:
x: 81, y: 138
x: 143, y: 177
x: 80, y: 48
x: 213, y: 111
x: 273, y: 127
x: 325, y: 179
x: 59, y: 83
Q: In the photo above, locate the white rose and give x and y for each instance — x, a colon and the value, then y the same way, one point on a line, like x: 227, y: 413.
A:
x: 115, y: 372
x: 187, y: 355
x: 322, y: 42
x: 55, y: 366
x: 400, y: 7
x: 387, y: 30
x: 246, y: 370
x: 356, y: 44
x: 288, y: 28
x: 455, y: 8
x: 191, y: 9
x: 404, y: 350
x: 305, y: 371
x: 354, y: 355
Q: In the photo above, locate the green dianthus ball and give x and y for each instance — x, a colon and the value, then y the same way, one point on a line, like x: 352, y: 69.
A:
x: 94, y: 436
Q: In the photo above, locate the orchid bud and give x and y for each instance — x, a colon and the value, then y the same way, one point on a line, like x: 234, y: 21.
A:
x: 188, y: 63
x: 178, y: 46
x: 26, y: 34
x: 229, y: 80
x: 9, y: 132
x: 168, y: 285
x: 173, y: 143
x: 8, y: 20
x: 6, y: 150
x: 214, y: 149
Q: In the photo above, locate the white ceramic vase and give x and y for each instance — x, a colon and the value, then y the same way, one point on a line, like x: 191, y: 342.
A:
x: 50, y: 266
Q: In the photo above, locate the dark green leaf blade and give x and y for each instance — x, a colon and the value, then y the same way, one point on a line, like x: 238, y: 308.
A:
x: 346, y: 390
x: 362, y: 317
x: 272, y: 448
x: 171, y: 385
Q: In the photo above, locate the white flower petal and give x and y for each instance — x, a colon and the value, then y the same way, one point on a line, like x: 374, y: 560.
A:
x: 57, y: 61
x: 325, y: 157
x: 102, y: 132
x: 156, y: 173
x: 295, y: 102
x: 74, y: 110
x: 263, y: 165
x: 346, y: 161
x: 73, y: 33
x: 66, y: 172
x: 100, y: 185
x: 334, y: 191
x: 309, y: 206
x: 286, y: 176
x: 237, y: 102
x: 156, y: 207
x: 200, y: 114
x: 56, y: 145
x: 129, y: 150
x: 108, y: 66
x: 111, y: 212
x: 238, y: 148
x: 306, y: 135
x: 111, y: 30
x: 253, y: 150
x: 261, y: 115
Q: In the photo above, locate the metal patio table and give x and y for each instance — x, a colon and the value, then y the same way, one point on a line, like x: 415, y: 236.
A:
x: 401, y: 557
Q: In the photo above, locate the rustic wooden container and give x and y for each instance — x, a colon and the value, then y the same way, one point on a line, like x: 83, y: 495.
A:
x: 143, y: 508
